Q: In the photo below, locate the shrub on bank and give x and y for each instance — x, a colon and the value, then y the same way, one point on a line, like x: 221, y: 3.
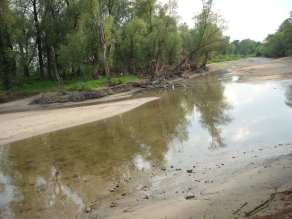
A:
x: 32, y: 84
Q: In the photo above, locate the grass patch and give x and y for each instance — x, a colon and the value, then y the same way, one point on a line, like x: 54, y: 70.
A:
x: 250, y: 55
x: 33, y: 84
x: 224, y: 59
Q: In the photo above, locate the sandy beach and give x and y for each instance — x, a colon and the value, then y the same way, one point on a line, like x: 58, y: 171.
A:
x: 21, y: 125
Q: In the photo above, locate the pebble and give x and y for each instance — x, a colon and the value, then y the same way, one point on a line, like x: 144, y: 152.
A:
x: 87, y: 209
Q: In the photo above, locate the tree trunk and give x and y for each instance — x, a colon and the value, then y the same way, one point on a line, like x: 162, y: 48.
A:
x: 103, y: 47
x: 4, y: 64
x: 26, y: 70
x: 39, y: 41
x: 64, y: 74
x: 73, y: 72
x: 48, y: 60
x: 63, y: 91
x: 78, y: 72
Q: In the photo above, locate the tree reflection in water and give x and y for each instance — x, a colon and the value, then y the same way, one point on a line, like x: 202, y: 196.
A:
x: 39, y: 171
x: 288, y: 95
x: 210, y: 103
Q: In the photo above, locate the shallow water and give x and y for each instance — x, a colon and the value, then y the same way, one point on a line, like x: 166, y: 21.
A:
x: 53, y: 174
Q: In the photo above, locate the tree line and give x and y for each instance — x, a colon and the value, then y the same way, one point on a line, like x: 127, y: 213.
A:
x: 104, y: 37
x: 278, y: 44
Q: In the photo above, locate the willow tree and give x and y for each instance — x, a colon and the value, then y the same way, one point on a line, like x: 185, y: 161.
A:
x: 101, y: 40
x: 207, y: 32
x: 7, y: 54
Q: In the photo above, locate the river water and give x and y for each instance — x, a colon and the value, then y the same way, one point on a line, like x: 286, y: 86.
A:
x: 52, y: 175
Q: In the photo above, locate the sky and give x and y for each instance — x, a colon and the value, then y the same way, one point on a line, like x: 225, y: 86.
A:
x: 248, y: 19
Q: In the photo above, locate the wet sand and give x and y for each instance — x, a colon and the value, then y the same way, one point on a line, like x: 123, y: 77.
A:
x: 250, y: 175
x: 21, y: 125
x: 277, y: 69
x: 221, y: 184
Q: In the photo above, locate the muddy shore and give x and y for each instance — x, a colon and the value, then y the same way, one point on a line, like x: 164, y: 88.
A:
x: 220, y: 183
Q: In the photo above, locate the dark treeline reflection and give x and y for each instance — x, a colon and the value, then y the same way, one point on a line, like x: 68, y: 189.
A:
x: 288, y: 95
x: 37, y: 173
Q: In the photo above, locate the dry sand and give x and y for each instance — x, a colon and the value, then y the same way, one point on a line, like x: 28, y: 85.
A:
x: 277, y: 69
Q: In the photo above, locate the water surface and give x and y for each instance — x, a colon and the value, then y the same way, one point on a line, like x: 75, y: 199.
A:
x: 53, y: 174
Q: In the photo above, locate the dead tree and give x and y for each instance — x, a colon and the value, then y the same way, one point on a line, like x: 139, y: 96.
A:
x: 154, y: 68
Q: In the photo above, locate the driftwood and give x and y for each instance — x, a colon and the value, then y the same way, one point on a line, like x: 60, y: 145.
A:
x: 44, y: 100
x: 261, y: 206
x: 245, y: 203
x: 267, y: 202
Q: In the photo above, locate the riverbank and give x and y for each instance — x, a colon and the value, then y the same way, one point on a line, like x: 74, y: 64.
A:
x: 220, y: 185
x: 269, y: 70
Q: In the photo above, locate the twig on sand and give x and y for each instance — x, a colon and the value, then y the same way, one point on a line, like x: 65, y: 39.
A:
x: 261, y: 206
x: 245, y: 203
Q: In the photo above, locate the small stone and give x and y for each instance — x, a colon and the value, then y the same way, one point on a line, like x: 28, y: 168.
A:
x: 113, y: 205
x: 177, y: 192
x: 123, y: 194
x: 189, y: 171
x: 153, y: 165
x: 163, y: 168
x: 87, y: 209
x: 190, y: 196
x: 171, y: 166
x: 146, y: 197
x: 76, y: 175
x: 177, y: 169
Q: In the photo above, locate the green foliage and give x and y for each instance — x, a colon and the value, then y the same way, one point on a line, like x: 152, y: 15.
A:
x: 278, y: 44
x: 250, y: 55
x: 33, y: 84
x: 225, y: 58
